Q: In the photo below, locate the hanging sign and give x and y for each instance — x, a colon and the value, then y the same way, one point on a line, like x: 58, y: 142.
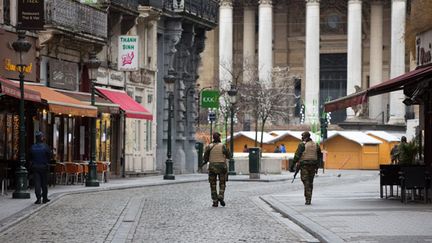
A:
x: 128, y: 53
x: 424, y: 48
x: 31, y: 14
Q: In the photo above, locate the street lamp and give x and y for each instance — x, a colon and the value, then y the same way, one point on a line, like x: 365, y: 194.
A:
x: 93, y: 65
x: 21, y: 46
x: 169, y: 85
x: 232, y: 94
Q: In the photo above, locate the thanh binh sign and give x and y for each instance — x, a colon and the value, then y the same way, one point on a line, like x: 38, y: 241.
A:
x: 210, y: 99
x: 31, y: 15
x: 424, y: 48
x: 128, y: 53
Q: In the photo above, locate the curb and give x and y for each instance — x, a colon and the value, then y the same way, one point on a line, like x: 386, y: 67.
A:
x: 318, y: 231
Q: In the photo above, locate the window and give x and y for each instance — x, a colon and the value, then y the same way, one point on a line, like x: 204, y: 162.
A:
x: 137, y: 135
x: 148, y: 136
x: 6, y: 11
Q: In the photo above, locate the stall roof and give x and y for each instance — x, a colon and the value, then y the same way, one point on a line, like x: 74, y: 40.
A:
x: 251, y: 135
x: 355, y: 136
x: 384, y: 135
x: 296, y: 134
x: 132, y: 108
x: 60, y: 103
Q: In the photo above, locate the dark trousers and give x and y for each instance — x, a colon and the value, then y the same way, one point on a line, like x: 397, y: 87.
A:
x: 40, y: 182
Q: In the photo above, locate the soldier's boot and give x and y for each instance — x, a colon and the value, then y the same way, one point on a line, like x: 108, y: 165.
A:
x: 308, y: 201
x: 215, y: 204
x: 221, y: 201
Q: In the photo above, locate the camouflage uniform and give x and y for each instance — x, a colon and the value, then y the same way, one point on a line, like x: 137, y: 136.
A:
x: 308, y: 166
x: 217, y: 168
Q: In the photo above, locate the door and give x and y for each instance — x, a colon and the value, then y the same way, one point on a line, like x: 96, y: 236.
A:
x: 333, y: 82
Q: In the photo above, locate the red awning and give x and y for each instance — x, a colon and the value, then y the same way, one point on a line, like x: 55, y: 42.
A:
x: 391, y: 85
x: 345, y: 102
x: 12, y: 89
x: 132, y: 108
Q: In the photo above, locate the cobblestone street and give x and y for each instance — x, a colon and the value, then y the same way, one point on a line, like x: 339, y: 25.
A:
x: 171, y: 213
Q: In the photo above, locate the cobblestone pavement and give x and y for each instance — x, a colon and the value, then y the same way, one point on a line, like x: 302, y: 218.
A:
x: 170, y: 213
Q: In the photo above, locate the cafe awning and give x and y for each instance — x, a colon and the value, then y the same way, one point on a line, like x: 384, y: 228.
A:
x: 391, y: 85
x: 132, y: 108
x: 103, y: 105
x: 63, y: 104
x: 12, y: 89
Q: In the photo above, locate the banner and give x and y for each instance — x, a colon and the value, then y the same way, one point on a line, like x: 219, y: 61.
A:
x: 128, y: 53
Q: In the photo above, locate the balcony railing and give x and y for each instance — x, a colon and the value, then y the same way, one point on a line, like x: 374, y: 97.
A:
x: 204, y: 9
x: 76, y: 17
x: 127, y: 4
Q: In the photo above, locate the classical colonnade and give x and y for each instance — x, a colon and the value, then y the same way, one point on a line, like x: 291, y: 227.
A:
x: 312, y: 49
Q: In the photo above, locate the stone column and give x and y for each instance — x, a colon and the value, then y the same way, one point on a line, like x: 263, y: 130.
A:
x: 312, y: 64
x: 265, y: 41
x: 248, y: 41
x: 376, y: 57
x: 354, y: 67
x: 226, y: 44
x: 397, y: 59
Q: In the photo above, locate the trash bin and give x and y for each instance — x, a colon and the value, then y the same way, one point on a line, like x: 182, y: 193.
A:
x: 199, y: 146
x: 254, y: 163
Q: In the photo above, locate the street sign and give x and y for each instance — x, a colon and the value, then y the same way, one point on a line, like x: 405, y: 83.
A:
x: 212, y: 116
x: 210, y: 99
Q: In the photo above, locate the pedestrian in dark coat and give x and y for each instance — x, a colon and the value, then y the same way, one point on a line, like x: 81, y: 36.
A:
x: 40, y: 155
x: 307, y: 158
x: 217, y: 154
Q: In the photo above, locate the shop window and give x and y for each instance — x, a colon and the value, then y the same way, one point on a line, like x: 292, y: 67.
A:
x: 137, y: 146
x: 103, y: 135
x: 148, y: 136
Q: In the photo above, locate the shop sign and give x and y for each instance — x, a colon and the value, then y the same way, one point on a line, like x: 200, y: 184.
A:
x: 102, y: 76
x: 210, y: 99
x: 424, y: 48
x: 9, y: 59
x: 63, y: 75
x: 128, y: 53
x: 12, y: 67
x: 116, y: 78
x: 31, y: 14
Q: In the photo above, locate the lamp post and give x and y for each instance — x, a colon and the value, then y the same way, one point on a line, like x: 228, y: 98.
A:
x: 169, y: 85
x: 92, y: 64
x: 21, y: 46
x: 232, y: 93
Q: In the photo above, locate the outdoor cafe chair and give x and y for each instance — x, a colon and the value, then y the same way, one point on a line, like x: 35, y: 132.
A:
x: 389, y: 176
x: 60, y: 172
x: 102, y: 169
x: 414, y: 178
x: 76, y: 171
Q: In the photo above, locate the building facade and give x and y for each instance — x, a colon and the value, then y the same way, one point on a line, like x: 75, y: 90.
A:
x: 332, y: 48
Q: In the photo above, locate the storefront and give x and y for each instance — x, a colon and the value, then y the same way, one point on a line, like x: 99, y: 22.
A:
x: 135, y: 128
x: 65, y: 123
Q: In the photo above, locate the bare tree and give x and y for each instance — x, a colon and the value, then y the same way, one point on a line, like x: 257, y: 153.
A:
x: 268, y: 101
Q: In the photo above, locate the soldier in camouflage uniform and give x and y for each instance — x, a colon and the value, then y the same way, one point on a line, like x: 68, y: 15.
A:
x: 218, y: 154
x: 307, y: 158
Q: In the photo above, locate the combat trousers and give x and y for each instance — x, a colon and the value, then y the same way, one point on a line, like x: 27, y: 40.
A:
x: 215, y: 171
x: 307, y: 176
x: 40, y: 182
